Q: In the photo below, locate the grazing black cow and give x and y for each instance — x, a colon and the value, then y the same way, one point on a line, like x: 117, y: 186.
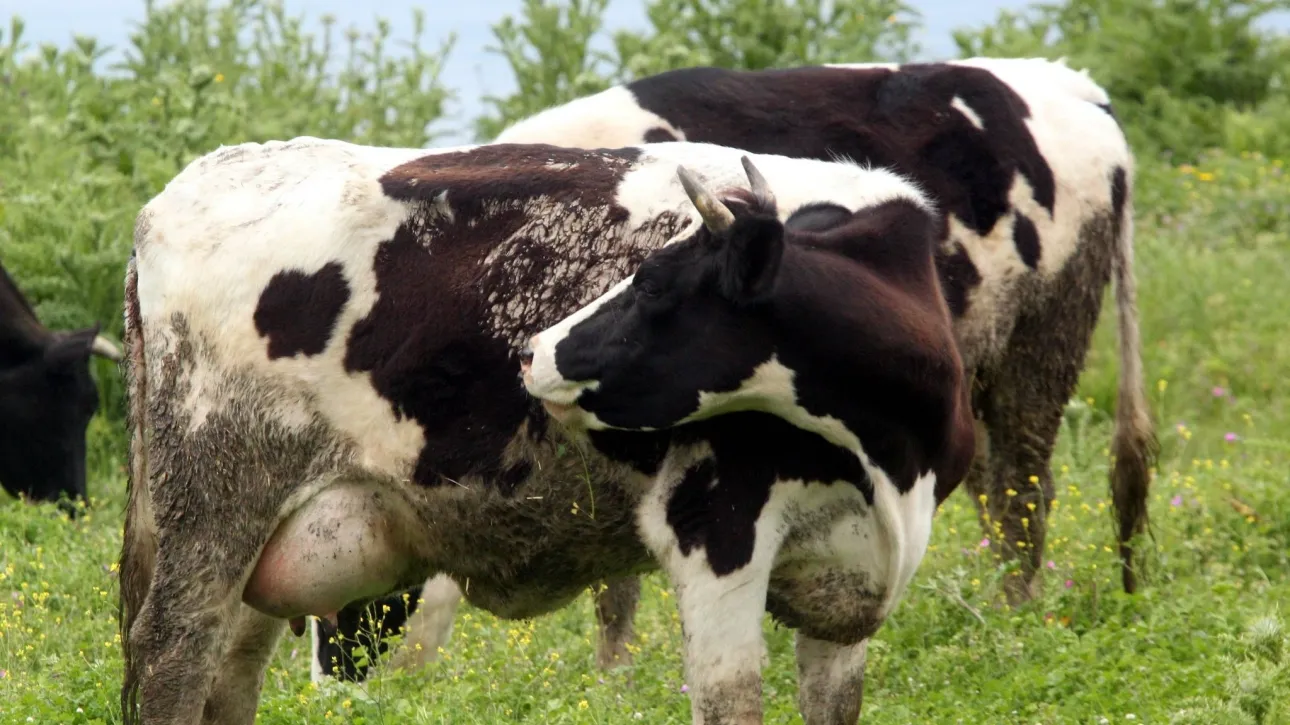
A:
x: 47, y: 398
x: 1035, y: 177
x: 799, y: 388
x: 322, y: 344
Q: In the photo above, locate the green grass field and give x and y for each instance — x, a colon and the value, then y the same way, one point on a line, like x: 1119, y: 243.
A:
x: 1213, y: 260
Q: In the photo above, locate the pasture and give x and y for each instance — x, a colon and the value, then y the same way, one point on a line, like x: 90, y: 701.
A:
x: 1206, y: 640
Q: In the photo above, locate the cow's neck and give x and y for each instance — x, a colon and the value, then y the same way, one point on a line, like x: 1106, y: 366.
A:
x: 871, y: 369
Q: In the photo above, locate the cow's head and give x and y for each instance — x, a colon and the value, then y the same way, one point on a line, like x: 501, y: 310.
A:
x: 690, y: 334
x: 47, y: 398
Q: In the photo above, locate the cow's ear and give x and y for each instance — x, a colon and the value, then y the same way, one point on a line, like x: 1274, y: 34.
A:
x: 749, y: 260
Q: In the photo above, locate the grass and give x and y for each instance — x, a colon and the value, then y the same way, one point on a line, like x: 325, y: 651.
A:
x: 1199, y: 643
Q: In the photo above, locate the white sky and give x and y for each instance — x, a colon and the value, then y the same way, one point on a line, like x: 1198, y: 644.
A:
x: 471, y: 70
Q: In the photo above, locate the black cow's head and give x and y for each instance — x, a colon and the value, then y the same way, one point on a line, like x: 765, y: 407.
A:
x: 47, y: 398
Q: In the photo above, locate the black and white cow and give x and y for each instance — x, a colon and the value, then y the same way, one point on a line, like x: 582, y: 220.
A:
x: 796, y: 390
x: 322, y: 347
x: 1035, y: 177
x: 47, y: 398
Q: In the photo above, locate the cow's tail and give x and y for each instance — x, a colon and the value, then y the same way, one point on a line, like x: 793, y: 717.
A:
x: 1134, y: 446
x: 139, y: 546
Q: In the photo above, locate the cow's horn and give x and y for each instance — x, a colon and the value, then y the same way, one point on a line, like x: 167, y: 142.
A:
x: 760, y: 188
x: 101, y: 346
x: 716, y: 217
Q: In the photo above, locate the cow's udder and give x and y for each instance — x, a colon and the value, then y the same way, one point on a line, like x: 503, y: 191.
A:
x: 337, y: 548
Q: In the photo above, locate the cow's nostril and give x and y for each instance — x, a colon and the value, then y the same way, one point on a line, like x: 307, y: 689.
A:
x: 526, y: 356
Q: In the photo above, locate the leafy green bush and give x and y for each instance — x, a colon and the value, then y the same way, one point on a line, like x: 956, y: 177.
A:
x: 1184, y: 75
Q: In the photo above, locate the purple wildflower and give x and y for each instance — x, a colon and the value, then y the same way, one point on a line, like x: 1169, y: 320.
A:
x: 1176, y: 500
x: 1219, y: 391
x: 1070, y: 583
x: 685, y: 688
x: 985, y: 542
x: 1231, y: 437
x: 1052, y: 564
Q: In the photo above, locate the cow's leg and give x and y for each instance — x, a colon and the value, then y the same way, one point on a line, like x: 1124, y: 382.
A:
x: 1022, y: 409
x: 182, y: 634
x: 212, y: 523
x: 721, y: 626
x: 615, y: 614
x: 1023, y: 430
x: 830, y: 681
x: 430, y: 624
x: 236, y: 692
x: 721, y: 587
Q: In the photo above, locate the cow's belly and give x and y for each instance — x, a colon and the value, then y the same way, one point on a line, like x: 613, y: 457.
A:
x: 524, y: 555
x: 517, y: 556
x: 344, y: 544
x: 845, y: 566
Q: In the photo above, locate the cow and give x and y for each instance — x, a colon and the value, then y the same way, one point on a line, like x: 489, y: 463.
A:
x: 322, y: 342
x: 1036, y: 178
x: 798, y: 384
x: 47, y: 398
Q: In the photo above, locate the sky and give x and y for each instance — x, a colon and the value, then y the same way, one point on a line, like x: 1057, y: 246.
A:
x: 471, y: 70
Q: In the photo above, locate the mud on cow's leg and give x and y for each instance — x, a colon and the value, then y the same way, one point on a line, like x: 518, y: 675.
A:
x: 724, y: 648
x: 193, y: 626
x: 1022, y: 406
x: 1019, y: 485
x: 201, y: 511
x: 830, y: 680
x: 616, y: 601
x: 236, y: 692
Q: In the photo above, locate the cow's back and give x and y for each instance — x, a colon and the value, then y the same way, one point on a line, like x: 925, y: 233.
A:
x: 1022, y: 154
